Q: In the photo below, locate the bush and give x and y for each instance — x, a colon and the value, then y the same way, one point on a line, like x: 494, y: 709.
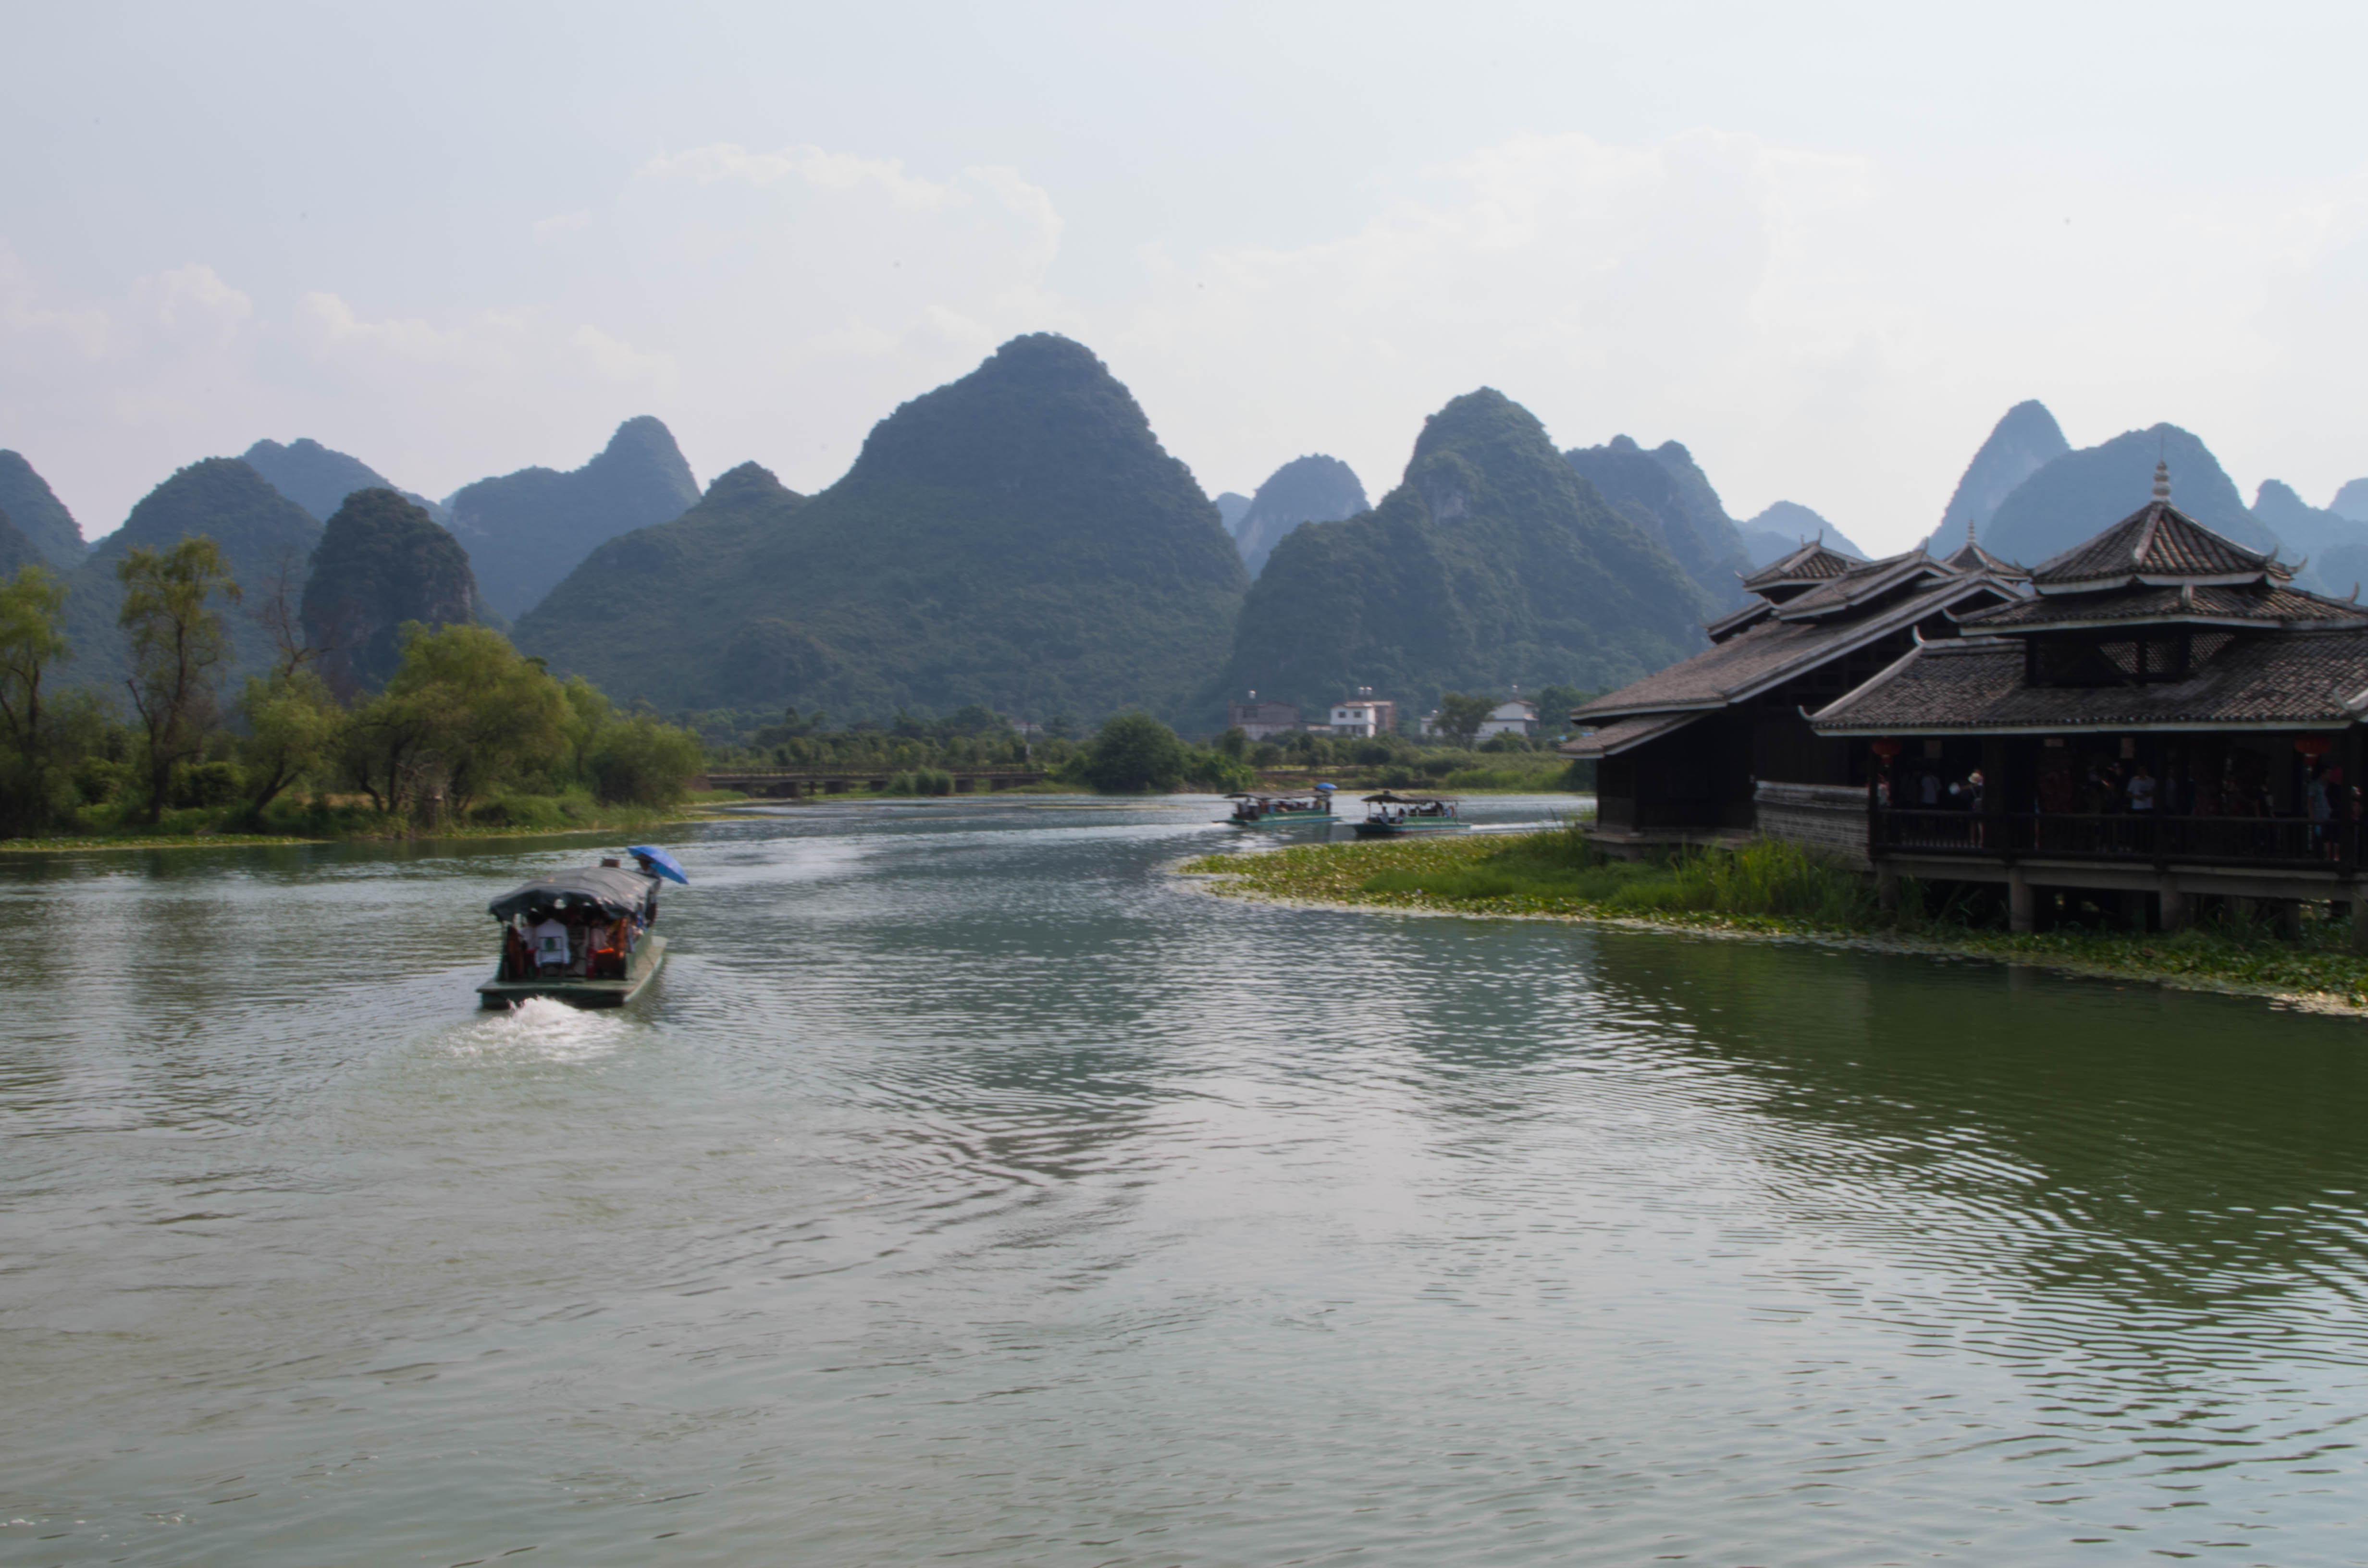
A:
x: 208, y: 785
x: 1132, y: 754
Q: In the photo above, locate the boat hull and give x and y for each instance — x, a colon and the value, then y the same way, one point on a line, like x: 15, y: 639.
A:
x: 577, y: 992
x: 1400, y: 829
x: 1287, y: 818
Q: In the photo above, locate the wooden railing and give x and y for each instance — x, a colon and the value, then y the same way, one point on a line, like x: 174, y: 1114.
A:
x: 2135, y: 835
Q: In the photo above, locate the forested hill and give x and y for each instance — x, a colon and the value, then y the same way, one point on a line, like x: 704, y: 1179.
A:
x: 2079, y: 494
x: 1494, y: 561
x: 319, y: 478
x: 381, y: 561
x: 2025, y: 439
x: 524, y: 531
x: 1017, y: 538
x: 1666, y: 490
x: 266, y: 540
x: 1313, y: 489
x: 15, y: 551
x: 39, y: 515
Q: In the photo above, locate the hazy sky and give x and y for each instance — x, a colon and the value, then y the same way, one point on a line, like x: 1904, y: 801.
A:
x: 1823, y: 245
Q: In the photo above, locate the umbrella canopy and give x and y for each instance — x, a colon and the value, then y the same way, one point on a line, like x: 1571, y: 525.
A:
x: 659, y: 860
x: 1327, y: 786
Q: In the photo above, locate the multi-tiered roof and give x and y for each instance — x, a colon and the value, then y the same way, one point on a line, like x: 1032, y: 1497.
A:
x: 1809, y: 608
x: 2157, y: 621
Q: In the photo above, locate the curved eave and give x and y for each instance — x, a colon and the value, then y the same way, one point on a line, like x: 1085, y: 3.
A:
x: 2092, y: 727
x: 2149, y: 580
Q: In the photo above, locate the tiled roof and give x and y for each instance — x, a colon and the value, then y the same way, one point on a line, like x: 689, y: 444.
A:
x: 1975, y: 685
x: 1774, y: 651
x: 2156, y: 543
x: 2257, y: 603
x: 1971, y: 557
x: 1810, y: 564
x: 1865, y: 582
x: 1622, y: 734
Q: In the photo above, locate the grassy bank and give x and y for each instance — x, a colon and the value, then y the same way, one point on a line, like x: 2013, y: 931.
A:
x: 1773, y: 890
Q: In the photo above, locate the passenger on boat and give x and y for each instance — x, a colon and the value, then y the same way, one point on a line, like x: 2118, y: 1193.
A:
x: 551, y: 946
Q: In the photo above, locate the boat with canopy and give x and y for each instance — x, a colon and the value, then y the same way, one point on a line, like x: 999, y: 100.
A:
x: 1282, y: 811
x: 1388, y: 815
x: 581, y: 936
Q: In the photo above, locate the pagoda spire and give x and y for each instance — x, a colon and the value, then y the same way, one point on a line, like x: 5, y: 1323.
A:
x: 2162, y: 481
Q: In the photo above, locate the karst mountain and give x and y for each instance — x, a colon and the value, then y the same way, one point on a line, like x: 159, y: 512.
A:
x: 1494, y: 561
x: 1313, y: 489
x: 1017, y: 538
x: 524, y: 531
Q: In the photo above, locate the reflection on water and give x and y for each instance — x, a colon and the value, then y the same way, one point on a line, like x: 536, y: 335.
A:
x: 964, y: 1185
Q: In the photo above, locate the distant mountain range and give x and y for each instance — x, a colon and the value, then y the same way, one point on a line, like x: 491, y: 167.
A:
x: 2024, y: 441
x: 1784, y: 527
x: 1315, y: 489
x: 1017, y: 538
x: 526, y: 530
x: 1494, y: 561
x: 1664, y: 491
x: 319, y: 479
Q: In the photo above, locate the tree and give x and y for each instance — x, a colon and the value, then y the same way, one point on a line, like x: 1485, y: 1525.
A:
x: 32, y: 637
x: 179, y: 643
x: 1461, y: 716
x: 641, y: 762
x: 466, y: 710
x: 293, y: 722
x: 1134, y: 753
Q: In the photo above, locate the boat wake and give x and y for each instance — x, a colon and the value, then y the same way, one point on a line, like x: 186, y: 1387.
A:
x: 541, y: 1028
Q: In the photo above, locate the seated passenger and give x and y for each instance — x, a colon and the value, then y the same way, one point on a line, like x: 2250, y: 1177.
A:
x: 548, y: 943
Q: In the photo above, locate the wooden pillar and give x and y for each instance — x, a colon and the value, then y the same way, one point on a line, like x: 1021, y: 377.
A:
x: 2176, y: 912
x: 2288, y: 914
x: 2019, y: 901
x: 2359, y: 924
x: 1886, y: 889
x: 2133, y: 909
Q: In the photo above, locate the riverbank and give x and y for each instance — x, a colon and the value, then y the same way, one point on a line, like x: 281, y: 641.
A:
x: 1772, y: 893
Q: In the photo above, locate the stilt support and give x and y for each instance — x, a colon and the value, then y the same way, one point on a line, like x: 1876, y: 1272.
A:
x: 2019, y: 901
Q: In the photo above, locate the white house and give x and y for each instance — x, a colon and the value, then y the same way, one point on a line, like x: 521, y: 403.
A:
x: 1363, y: 715
x: 1518, y: 717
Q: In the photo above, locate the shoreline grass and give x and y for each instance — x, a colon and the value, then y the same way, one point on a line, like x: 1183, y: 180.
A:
x: 1770, y: 892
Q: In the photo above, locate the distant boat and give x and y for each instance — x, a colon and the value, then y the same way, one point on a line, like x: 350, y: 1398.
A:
x: 1388, y: 815
x: 1282, y: 811
x: 581, y: 936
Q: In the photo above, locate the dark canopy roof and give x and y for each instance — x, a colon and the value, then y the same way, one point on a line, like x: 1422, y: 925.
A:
x: 611, y: 890
x: 1975, y: 686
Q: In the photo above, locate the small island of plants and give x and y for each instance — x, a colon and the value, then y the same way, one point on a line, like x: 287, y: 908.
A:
x: 1777, y: 890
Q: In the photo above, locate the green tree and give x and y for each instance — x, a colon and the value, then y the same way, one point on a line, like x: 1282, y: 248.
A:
x: 1461, y: 716
x: 641, y: 762
x: 32, y: 637
x: 178, y: 643
x: 463, y: 714
x: 292, y: 724
x: 1235, y: 742
x: 1131, y: 753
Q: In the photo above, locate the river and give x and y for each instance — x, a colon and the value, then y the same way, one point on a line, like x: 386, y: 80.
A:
x: 969, y: 1189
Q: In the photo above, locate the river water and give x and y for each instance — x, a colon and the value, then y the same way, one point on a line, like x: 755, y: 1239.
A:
x: 970, y: 1189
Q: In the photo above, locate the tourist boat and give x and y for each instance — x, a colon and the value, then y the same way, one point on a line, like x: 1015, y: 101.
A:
x: 1282, y: 811
x: 581, y: 936
x: 1388, y: 815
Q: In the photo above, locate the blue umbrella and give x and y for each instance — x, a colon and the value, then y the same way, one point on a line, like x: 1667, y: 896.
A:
x: 655, y: 860
x: 1327, y: 786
